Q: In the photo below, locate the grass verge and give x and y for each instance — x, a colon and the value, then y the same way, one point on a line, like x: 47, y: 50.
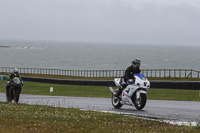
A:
x: 37, y: 88
x: 34, y: 118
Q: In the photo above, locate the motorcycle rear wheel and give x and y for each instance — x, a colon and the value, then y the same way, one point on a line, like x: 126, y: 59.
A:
x: 141, y: 102
x: 116, y: 102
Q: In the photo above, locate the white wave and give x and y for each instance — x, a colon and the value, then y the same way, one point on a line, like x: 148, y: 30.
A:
x: 25, y: 47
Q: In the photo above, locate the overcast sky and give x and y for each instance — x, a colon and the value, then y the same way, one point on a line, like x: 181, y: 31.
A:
x: 108, y: 21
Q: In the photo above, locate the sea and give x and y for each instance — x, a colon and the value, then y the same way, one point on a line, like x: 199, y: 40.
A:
x: 96, y: 56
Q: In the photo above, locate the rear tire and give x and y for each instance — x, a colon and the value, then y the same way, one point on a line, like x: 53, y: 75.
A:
x: 116, y: 102
x: 141, y: 102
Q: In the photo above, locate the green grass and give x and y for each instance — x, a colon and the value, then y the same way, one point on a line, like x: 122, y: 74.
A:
x: 34, y: 118
x: 174, y: 94
x: 37, y: 88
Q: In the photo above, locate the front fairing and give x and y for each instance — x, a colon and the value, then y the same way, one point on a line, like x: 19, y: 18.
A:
x: 141, y: 81
x: 16, y: 82
x: 128, y: 92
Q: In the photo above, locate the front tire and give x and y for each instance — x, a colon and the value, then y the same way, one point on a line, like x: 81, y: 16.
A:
x: 10, y: 95
x: 116, y: 102
x: 17, y: 93
x: 141, y: 102
x: 7, y: 94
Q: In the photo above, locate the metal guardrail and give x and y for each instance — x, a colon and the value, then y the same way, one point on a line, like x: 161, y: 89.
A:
x: 171, y: 73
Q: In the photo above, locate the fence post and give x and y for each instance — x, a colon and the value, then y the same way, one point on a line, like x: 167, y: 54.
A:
x: 164, y: 73
x: 160, y: 73
x: 185, y: 73
x: 174, y: 73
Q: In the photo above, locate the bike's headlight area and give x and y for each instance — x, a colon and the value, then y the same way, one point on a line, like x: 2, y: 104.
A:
x: 144, y: 84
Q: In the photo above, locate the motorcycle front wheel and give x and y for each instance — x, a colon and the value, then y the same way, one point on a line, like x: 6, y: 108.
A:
x: 17, y: 93
x: 116, y: 102
x: 140, y: 102
x: 10, y: 95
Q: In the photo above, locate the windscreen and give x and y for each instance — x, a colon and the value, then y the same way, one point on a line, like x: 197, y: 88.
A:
x: 16, y: 80
x: 141, y: 76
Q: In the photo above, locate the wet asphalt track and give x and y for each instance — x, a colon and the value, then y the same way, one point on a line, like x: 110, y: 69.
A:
x: 154, y: 109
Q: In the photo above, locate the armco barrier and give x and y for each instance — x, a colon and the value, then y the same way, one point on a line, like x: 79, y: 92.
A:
x: 3, y: 77
x: 71, y: 82
x: 190, y: 85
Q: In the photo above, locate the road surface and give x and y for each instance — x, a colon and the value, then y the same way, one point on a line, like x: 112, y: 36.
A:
x: 179, y: 111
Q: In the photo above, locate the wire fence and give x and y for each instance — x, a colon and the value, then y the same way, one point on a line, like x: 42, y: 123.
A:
x: 172, y: 73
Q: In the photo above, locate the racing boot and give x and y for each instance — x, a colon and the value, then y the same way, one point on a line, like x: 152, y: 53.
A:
x: 119, y: 92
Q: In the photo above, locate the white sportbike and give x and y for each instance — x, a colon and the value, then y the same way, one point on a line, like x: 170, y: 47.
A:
x: 134, y: 94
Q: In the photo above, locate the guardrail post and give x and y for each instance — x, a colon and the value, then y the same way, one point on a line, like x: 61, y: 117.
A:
x: 160, y: 74
x: 185, y: 73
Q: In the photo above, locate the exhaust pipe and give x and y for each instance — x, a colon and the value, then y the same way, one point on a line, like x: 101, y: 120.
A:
x: 112, y: 90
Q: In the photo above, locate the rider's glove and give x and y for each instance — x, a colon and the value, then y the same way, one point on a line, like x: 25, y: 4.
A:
x: 130, y: 80
x: 8, y: 82
x: 123, y: 85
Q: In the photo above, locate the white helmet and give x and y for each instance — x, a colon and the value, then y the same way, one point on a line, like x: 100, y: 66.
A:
x: 15, y: 72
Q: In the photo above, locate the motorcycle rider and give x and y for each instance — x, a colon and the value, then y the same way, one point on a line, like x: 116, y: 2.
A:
x: 10, y: 77
x: 134, y: 68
